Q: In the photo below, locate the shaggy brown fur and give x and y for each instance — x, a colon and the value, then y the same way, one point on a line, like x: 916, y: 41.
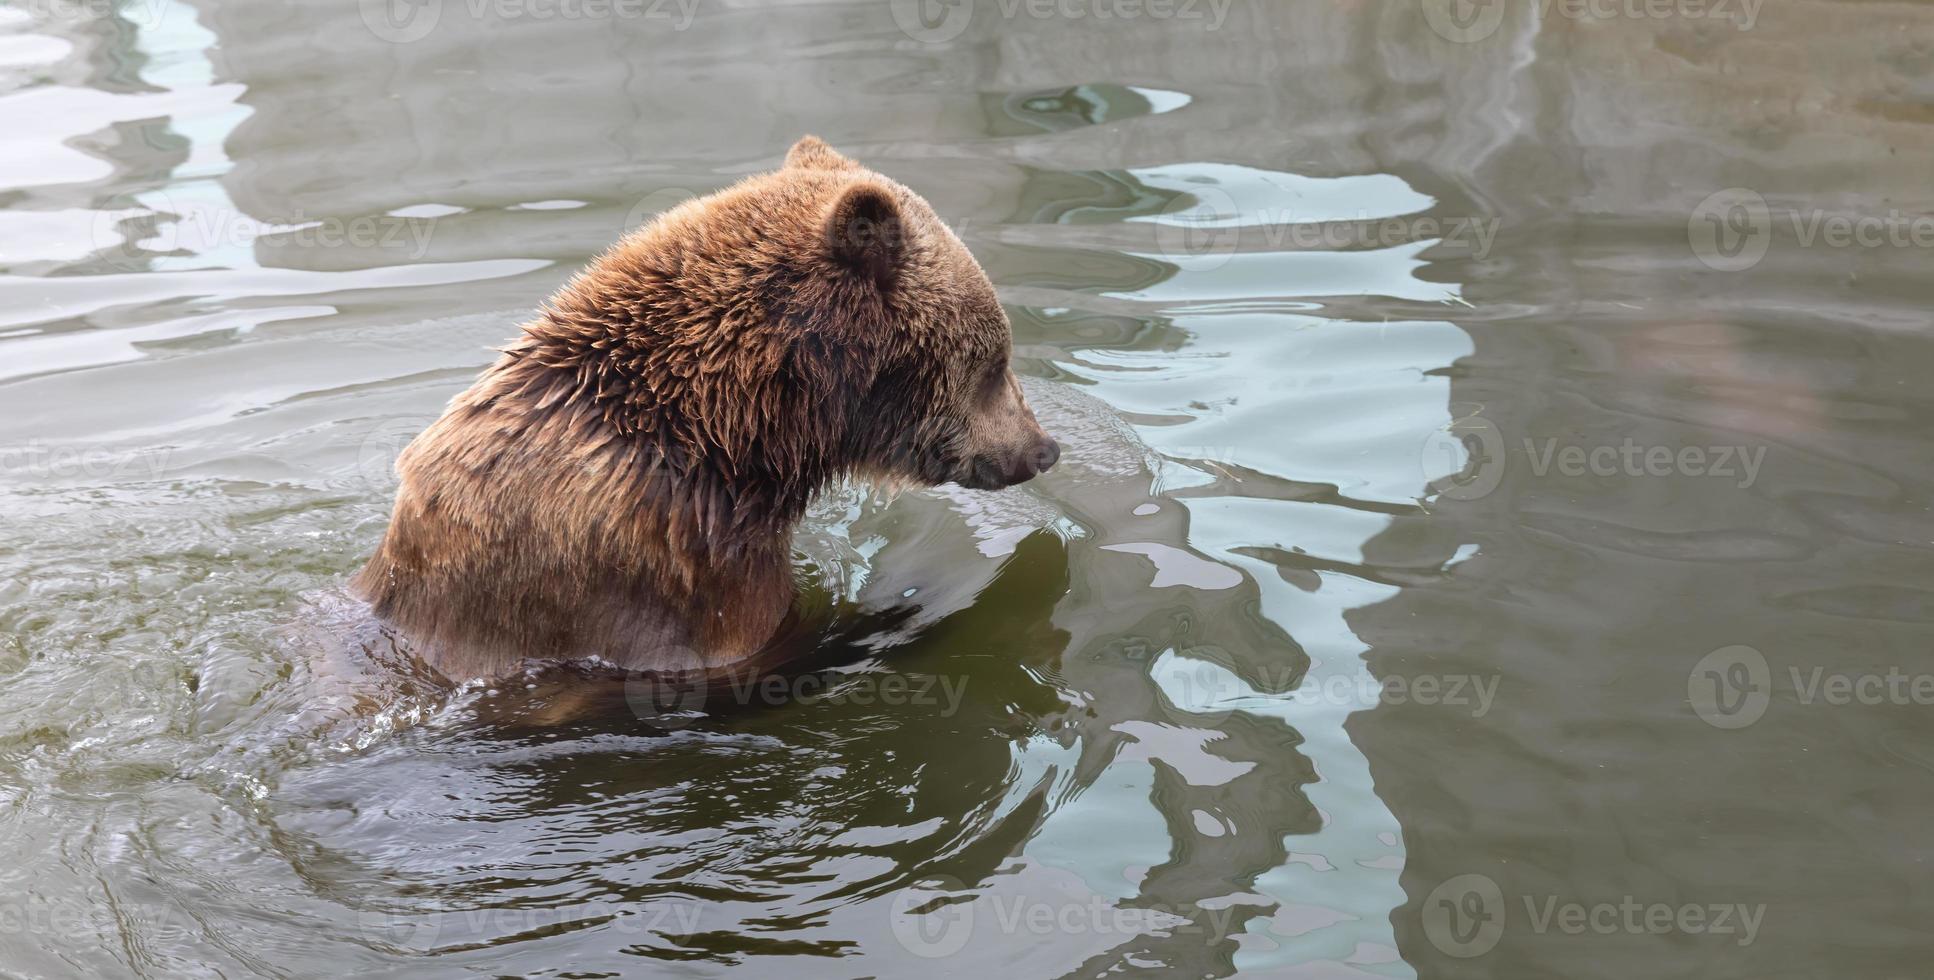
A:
x: 623, y: 482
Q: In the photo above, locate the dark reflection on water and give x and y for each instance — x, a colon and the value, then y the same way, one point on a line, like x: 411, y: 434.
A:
x: 1314, y: 658
x: 716, y: 836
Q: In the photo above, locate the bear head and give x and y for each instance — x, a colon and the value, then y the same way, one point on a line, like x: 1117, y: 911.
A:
x: 943, y: 405
x: 802, y: 325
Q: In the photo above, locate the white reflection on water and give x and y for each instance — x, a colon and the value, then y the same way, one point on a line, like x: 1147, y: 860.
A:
x: 1343, y: 403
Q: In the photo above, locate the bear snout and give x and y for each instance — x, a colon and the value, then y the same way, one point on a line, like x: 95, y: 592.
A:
x: 1043, y: 457
x: 1003, y: 472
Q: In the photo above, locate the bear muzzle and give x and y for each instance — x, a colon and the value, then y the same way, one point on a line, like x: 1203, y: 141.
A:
x: 1009, y: 469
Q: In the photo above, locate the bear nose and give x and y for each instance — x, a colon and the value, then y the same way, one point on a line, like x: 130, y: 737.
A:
x: 1006, y: 471
x: 1041, y: 458
x: 1046, y: 456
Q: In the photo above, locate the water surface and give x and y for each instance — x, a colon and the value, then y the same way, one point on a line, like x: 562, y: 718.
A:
x: 1363, y: 631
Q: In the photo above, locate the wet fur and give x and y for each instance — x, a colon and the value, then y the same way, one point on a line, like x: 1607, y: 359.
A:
x: 623, y: 482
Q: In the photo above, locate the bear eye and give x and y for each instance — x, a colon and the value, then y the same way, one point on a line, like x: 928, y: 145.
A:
x: 993, y: 378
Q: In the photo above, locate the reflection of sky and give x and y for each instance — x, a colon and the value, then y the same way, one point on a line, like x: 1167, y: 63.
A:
x: 192, y: 212
x: 1303, y: 398
x: 1258, y: 275
x: 1235, y: 195
x: 1161, y: 100
x: 1277, y: 209
x: 1296, y: 396
x: 44, y: 122
x: 205, y: 223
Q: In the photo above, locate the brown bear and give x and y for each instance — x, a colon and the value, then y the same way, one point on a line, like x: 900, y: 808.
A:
x: 622, y: 484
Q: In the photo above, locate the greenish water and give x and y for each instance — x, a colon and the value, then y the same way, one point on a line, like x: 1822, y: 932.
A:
x: 1492, y: 536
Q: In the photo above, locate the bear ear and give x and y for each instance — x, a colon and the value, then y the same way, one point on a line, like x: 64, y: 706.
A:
x: 812, y: 153
x: 866, y: 234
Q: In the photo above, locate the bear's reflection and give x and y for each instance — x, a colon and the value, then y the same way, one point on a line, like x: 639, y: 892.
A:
x: 982, y: 676
x: 735, y: 818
